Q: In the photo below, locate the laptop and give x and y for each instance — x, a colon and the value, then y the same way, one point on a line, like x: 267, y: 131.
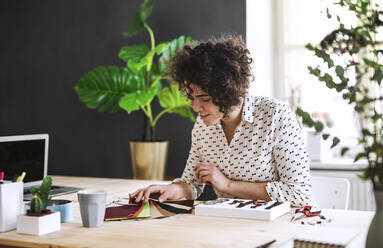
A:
x: 28, y: 153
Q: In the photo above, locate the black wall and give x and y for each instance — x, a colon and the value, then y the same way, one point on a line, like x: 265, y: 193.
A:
x: 46, y: 46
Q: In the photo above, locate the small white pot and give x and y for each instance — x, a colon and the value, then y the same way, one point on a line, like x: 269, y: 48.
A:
x: 317, y: 148
x: 39, y: 225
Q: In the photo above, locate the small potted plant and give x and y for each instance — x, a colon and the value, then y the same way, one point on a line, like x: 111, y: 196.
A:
x: 39, y: 220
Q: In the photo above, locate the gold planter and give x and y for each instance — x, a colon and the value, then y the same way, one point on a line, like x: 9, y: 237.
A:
x: 149, y: 159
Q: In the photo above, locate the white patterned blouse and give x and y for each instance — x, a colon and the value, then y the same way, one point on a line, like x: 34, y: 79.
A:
x: 267, y: 146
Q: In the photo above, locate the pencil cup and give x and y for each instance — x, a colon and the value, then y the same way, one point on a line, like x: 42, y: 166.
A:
x: 11, y: 204
x: 92, y: 207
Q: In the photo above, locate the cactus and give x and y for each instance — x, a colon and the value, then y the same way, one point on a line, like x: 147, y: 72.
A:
x: 41, y: 196
x: 36, y: 205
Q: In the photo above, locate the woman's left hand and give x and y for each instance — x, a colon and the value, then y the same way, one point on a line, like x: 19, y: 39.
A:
x: 209, y: 174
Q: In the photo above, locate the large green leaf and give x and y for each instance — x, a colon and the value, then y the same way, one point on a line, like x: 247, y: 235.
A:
x: 136, y: 24
x: 133, y: 53
x: 143, y: 96
x: 174, y: 101
x: 157, y: 50
x: 103, y: 87
x: 135, y: 57
x: 136, y: 67
x: 129, y: 102
x: 171, y: 49
x: 161, y: 47
x: 147, y: 96
x: 139, y: 56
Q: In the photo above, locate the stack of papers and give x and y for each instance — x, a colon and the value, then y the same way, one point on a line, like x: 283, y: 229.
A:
x: 325, y: 237
x: 241, y: 208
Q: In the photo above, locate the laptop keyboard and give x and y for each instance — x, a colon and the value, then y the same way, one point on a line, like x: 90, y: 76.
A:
x: 55, y: 191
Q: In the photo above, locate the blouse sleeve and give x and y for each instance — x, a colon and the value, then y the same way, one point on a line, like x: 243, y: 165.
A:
x: 188, y: 175
x: 292, y: 161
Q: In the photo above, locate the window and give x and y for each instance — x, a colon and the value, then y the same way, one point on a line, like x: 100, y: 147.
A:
x: 284, y: 73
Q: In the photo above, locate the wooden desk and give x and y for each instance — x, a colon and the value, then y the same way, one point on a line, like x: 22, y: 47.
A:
x: 185, y: 230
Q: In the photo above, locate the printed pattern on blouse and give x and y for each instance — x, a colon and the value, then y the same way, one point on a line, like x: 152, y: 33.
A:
x: 267, y: 146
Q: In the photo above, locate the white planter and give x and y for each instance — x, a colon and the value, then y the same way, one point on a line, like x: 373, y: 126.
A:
x: 317, y: 148
x: 39, y: 225
x: 11, y: 204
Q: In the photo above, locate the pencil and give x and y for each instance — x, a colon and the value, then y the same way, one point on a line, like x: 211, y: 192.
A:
x: 266, y: 244
x: 21, y: 177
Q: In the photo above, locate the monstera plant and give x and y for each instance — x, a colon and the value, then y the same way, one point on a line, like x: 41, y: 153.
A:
x: 353, y: 58
x: 136, y: 85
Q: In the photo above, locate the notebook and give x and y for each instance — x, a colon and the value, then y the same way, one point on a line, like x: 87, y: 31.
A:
x: 325, y: 238
x: 28, y: 153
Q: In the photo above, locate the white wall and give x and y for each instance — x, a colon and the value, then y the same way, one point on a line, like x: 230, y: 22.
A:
x: 259, y: 42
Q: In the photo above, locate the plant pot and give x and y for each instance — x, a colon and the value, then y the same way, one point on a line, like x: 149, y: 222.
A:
x: 39, y: 224
x: 62, y: 206
x: 149, y: 159
x: 317, y: 148
x: 374, y: 236
x: 11, y: 204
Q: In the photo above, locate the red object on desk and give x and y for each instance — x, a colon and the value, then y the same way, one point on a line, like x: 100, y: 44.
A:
x: 307, y: 211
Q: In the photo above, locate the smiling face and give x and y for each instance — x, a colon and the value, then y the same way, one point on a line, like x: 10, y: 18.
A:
x: 202, y: 103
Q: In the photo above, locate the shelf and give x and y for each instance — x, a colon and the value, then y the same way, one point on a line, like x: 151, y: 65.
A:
x: 338, y: 164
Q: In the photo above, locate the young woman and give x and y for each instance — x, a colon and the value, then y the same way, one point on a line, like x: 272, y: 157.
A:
x: 244, y: 146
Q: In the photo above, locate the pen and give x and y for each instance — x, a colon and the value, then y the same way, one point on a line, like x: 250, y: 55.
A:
x: 21, y: 177
x: 273, y: 205
x: 266, y: 244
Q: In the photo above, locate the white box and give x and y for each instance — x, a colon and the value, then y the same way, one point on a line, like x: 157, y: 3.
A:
x: 39, y: 225
x: 225, y: 209
x: 11, y: 204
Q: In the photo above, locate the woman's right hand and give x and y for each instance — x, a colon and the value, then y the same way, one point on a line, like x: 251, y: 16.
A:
x: 172, y: 191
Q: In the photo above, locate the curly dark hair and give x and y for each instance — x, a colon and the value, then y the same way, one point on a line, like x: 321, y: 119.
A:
x: 219, y: 66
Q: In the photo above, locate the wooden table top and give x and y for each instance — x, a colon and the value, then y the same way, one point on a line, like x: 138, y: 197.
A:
x: 185, y: 230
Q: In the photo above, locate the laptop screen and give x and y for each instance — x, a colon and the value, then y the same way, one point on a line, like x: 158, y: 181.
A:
x: 21, y: 155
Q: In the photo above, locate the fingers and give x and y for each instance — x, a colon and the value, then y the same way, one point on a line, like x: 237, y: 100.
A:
x: 201, y: 167
x: 203, y: 175
x: 205, y: 172
x: 139, y: 195
x: 144, y: 193
x: 136, y: 193
x: 164, y: 196
x: 202, y: 164
x: 151, y: 189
